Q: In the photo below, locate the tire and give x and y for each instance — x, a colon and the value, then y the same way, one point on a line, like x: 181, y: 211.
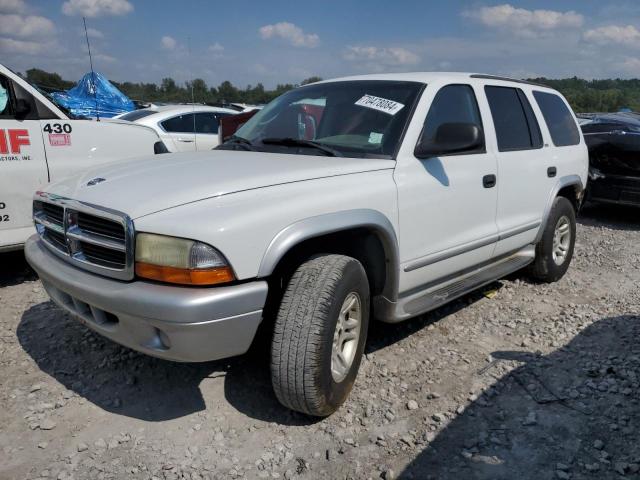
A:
x: 302, y: 368
x: 548, y: 267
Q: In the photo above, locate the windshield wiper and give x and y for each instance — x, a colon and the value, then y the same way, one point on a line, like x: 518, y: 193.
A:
x: 298, y: 142
x: 241, y: 142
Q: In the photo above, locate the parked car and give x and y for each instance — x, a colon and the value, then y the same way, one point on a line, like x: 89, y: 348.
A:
x: 41, y: 142
x: 613, y: 140
x: 183, y: 128
x: 381, y: 196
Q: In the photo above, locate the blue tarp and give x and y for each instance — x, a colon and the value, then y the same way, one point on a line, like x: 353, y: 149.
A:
x: 94, y: 90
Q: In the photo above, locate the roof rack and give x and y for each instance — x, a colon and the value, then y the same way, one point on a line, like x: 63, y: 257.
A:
x: 506, y: 79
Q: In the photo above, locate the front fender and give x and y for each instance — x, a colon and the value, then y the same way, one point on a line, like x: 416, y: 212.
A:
x: 316, y: 226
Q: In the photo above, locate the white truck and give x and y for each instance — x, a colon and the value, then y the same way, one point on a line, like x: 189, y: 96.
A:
x: 373, y: 197
x: 39, y: 143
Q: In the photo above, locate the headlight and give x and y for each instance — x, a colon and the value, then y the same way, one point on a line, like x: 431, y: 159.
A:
x: 178, y: 260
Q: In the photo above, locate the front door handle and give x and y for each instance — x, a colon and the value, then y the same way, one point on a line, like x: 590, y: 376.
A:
x: 551, y: 172
x: 489, y: 181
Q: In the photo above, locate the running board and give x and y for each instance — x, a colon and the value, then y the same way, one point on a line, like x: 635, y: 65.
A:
x: 436, y: 295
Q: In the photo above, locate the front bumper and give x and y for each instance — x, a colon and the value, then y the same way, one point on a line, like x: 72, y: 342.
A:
x: 618, y: 189
x: 183, y: 324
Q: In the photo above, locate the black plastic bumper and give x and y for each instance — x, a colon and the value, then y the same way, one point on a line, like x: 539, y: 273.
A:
x: 615, y: 189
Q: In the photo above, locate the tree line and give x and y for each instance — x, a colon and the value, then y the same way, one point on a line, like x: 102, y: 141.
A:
x: 584, y: 95
x: 170, y: 91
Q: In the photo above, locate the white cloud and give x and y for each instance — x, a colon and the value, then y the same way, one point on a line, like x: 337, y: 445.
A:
x: 168, y: 43
x: 630, y: 66
x: 614, y: 34
x: 216, y: 48
x: 522, y: 21
x: 96, y: 8
x: 93, y: 33
x: 12, y: 6
x: 391, y: 56
x: 26, y: 26
x: 20, y: 47
x: 102, y: 57
x: 291, y: 33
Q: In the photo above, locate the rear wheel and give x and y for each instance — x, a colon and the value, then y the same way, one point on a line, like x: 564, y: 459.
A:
x: 555, y: 249
x: 319, y: 334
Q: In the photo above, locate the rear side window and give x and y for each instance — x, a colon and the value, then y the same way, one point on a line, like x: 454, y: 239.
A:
x: 561, y: 124
x: 181, y: 123
x: 452, y: 104
x: 515, y: 123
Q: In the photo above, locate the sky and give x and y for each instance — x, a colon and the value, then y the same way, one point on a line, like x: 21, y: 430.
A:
x: 277, y: 41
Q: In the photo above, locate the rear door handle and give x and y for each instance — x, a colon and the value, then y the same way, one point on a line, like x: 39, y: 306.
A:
x: 551, y: 172
x: 489, y: 181
x: 185, y: 140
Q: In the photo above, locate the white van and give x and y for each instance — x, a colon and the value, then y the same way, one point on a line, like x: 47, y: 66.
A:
x: 40, y: 143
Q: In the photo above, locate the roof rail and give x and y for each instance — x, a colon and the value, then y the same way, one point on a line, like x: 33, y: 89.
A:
x: 506, y: 79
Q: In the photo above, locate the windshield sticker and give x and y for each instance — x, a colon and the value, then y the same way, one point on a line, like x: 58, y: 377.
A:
x: 380, y: 104
x: 375, y: 137
x: 59, y: 139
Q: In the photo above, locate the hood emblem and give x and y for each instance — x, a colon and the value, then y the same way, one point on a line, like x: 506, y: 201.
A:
x: 96, y: 181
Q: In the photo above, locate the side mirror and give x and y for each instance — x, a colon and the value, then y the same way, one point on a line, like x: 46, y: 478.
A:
x: 23, y: 108
x: 450, y: 138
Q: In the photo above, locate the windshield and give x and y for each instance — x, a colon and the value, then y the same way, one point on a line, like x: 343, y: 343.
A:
x: 351, y: 118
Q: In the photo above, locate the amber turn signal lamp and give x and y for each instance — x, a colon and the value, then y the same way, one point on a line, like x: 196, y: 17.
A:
x: 184, y: 276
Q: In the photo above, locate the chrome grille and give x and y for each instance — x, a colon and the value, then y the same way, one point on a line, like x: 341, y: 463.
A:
x: 93, y: 238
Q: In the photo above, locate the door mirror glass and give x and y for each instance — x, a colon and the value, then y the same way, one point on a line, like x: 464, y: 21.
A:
x: 451, y: 138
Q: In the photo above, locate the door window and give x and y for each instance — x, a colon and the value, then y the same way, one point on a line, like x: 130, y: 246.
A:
x: 560, y: 122
x: 179, y: 124
x: 5, y: 103
x: 207, y: 123
x: 452, y: 104
x: 515, y: 123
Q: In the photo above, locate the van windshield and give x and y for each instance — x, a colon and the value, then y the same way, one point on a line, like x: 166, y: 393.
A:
x: 364, y: 119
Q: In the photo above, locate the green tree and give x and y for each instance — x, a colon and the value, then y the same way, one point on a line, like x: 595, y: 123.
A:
x: 46, y: 80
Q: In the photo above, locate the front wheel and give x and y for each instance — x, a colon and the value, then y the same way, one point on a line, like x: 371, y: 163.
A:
x: 554, y: 251
x: 319, y: 334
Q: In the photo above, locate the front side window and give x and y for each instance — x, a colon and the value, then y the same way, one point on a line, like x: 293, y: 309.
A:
x: 180, y: 124
x: 514, y: 120
x: 452, y: 104
x: 562, y: 126
x: 364, y: 118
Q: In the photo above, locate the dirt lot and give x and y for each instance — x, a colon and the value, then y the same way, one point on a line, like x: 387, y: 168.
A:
x: 534, y: 382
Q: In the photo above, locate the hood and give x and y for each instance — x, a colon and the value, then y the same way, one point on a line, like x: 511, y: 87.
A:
x: 149, y: 184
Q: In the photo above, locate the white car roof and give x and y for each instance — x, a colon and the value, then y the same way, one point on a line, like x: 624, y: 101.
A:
x: 164, y: 112
x: 428, y: 77
x: 186, y: 108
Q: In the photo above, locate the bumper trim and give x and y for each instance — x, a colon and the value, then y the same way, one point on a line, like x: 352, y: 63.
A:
x: 176, y: 323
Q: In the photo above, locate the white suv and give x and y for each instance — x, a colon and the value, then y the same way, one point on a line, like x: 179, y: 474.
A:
x: 379, y: 196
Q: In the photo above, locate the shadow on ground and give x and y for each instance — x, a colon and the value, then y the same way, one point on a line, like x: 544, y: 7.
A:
x: 14, y: 269
x: 617, y: 217
x: 122, y: 381
x: 547, y: 417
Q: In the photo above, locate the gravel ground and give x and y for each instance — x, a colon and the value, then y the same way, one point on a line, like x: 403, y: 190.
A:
x: 517, y: 381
